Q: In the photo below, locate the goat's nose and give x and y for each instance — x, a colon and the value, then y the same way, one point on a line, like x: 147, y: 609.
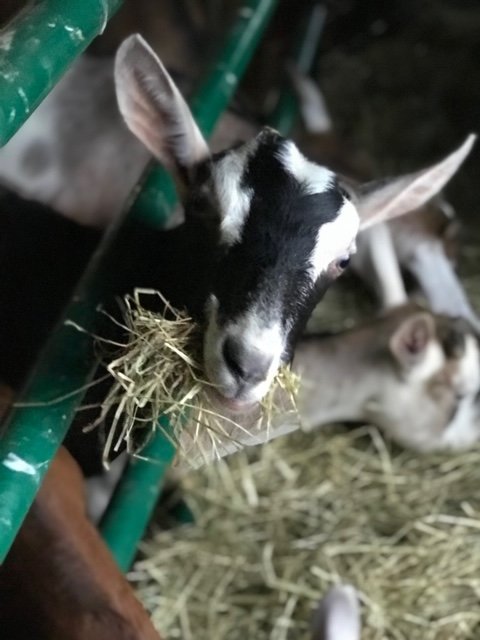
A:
x: 247, y: 364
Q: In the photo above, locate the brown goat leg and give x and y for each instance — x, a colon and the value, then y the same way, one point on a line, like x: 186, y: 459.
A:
x: 62, y: 574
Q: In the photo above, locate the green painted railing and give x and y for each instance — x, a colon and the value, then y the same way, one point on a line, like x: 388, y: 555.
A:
x: 38, y: 46
x: 137, y: 493
x: 34, y: 433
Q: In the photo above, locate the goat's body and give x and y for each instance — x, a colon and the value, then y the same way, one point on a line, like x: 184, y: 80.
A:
x: 42, y: 256
x: 61, y: 572
x: 74, y: 154
x: 352, y: 377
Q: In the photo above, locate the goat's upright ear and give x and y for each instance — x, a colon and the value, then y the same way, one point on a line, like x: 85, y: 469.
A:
x: 409, y: 343
x: 338, y: 615
x: 386, y: 199
x: 154, y: 109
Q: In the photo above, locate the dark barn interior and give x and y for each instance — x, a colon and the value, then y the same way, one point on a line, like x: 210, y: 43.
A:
x: 401, y: 82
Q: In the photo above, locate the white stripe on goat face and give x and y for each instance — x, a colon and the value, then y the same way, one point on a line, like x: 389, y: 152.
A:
x: 464, y: 429
x: 314, y: 177
x: 233, y: 197
x: 335, y: 239
x: 467, y: 378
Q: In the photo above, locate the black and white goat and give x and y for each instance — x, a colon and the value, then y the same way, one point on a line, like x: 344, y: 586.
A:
x: 265, y: 233
x: 282, y: 227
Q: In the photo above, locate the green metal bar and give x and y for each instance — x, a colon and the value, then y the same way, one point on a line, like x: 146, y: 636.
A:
x: 33, y: 434
x: 286, y: 111
x: 38, y: 46
x: 134, y: 500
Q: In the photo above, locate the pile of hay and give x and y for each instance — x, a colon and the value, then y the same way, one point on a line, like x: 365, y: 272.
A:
x: 273, y: 533
x: 158, y: 373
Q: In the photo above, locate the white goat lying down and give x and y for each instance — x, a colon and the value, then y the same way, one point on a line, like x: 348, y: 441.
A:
x: 420, y: 242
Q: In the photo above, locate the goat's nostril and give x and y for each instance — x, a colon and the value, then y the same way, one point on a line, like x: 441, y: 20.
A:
x: 232, y: 353
x: 249, y: 365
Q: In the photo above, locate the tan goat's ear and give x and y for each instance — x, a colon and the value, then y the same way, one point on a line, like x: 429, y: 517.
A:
x: 409, y: 344
x: 389, y: 198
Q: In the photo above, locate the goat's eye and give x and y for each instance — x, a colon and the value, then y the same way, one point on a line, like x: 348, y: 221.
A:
x: 343, y: 262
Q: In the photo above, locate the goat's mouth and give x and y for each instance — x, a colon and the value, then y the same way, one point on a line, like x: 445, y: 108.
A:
x: 235, y: 405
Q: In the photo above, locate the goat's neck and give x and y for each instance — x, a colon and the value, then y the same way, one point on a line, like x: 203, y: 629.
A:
x: 337, y: 381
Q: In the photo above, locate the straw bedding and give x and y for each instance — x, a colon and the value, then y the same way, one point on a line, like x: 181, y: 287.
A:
x: 273, y: 533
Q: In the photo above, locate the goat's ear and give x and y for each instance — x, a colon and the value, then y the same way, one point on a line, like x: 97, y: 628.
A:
x: 337, y: 616
x: 386, y: 199
x: 154, y: 109
x: 410, y: 341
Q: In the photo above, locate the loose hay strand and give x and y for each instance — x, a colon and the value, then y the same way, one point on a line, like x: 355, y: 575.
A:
x: 404, y: 529
x: 158, y: 373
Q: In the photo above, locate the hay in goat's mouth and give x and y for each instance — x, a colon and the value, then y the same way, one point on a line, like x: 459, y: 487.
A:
x: 158, y: 373
x: 275, y: 529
